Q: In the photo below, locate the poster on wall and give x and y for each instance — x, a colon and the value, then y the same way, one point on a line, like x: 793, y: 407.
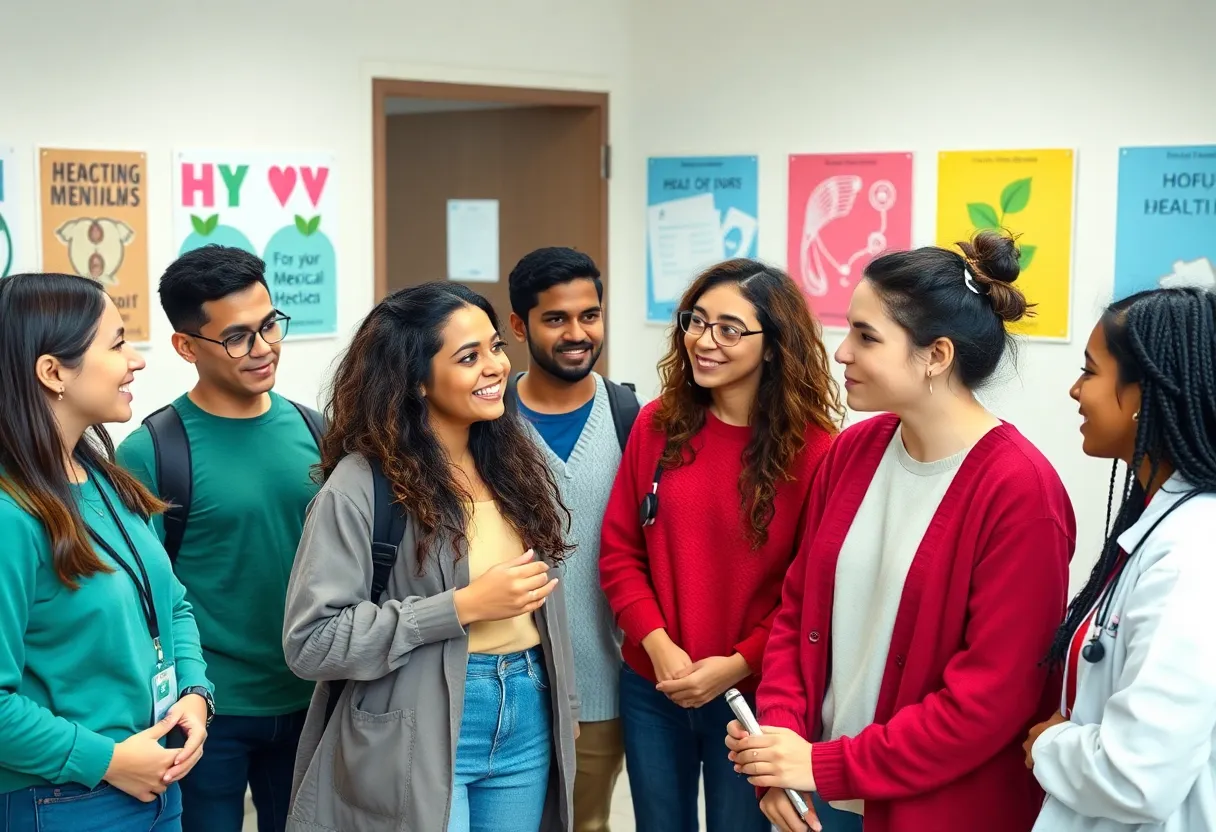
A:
x: 1029, y: 193
x: 844, y: 210
x: 11, y: 260
x: 700, y: 211
x: 279, y: 206
x: 1166, y: 230
x: 93, y: 214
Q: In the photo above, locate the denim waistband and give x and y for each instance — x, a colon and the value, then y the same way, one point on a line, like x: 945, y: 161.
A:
x: 487, y: 665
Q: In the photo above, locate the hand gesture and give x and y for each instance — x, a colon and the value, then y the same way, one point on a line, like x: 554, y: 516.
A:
x: 139, y: 763
x: 778, y: 758
x: 783, y: 816
x: 697, y: 683
x: 666, y: 656
x: 506, y: 590
x: 190, y: 714
x: 1036, y: 732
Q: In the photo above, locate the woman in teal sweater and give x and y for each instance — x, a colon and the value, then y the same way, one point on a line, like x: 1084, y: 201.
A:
x: 99, y: 654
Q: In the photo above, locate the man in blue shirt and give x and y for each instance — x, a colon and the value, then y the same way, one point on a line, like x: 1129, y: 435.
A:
x: 556, y: 308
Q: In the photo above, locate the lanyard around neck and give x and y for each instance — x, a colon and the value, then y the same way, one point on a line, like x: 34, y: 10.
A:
x: 143, y: 584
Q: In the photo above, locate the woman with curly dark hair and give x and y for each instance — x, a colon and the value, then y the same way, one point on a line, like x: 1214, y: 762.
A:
x: 905, y: 665
x: 701, y: 527
x: 460, y: 713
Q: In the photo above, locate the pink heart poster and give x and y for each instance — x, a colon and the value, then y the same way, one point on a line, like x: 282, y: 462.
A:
x: 281, y: 207
x: 845, y: 210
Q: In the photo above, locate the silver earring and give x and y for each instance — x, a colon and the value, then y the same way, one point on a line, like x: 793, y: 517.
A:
x: 1136, y: 416
x: 930, y: 377
x: 61, y: 389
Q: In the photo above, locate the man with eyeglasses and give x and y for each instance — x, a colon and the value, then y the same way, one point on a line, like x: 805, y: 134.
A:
x: 248, y: 453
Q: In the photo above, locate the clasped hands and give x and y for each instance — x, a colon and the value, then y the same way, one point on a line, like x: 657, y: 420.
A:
x: 687, y: 683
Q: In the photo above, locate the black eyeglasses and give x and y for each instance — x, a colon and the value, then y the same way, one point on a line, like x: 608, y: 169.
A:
x: 240, y: 344
x: 724, y: 334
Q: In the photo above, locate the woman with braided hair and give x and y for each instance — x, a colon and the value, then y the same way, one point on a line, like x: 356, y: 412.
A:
x: 1132, y: 746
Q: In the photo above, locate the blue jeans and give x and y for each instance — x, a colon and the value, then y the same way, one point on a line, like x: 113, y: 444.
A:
x: 75, y: 808
x: 254, y: 752
x: 835, y: 820
x: 502, y: 758
x: 667, y: 748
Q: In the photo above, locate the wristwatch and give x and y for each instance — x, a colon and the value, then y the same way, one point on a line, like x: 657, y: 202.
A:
x: 199, y: 690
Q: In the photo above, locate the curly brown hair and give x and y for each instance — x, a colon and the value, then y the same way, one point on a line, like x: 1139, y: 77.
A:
x: 796, y: 387
x: 375, y: 408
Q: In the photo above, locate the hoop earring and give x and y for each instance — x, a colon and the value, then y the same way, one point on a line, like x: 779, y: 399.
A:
x: 1136, y: 416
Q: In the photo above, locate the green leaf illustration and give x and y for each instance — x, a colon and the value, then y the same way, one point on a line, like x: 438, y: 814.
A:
x: 1015, y: 196
x: 301, y: 225
x: 313, y: 224
x: 211, y: 223
x: 199, y: 225
x: 983, y: 216
x: 1026, y: 257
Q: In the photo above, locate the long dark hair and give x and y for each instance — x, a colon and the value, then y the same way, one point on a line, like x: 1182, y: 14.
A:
x: 796, y: 386
x: 1165, y: 341
x: 376, y: 408
x: 53, y: 314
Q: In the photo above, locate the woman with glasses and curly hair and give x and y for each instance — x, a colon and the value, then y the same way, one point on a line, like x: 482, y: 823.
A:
x: 702, y: 524
x: 460, y: 713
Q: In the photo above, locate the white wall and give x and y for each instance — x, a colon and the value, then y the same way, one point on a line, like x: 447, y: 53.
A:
x: 780, y: 77
x: 685, y: 76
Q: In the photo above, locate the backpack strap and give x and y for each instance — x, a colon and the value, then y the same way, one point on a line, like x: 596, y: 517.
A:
x: 511, y: 398
x: 623, y: 401
x: 174, y: 477
x: 314, y: 420
x: 388, y: 527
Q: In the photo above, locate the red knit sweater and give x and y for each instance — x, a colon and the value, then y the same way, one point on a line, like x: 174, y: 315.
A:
x: 694, y: 572
x: 963, y: 680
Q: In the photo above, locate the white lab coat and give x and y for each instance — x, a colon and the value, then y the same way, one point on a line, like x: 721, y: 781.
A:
x: 1137, y: 753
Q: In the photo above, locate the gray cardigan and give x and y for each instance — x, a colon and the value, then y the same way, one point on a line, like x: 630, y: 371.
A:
x: 386, y: 761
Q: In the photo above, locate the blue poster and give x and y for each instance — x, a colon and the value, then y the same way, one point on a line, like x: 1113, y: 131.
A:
x: 700, y: 211
x: 1166, y: 231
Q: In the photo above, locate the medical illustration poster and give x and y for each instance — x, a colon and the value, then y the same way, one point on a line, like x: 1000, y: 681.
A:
x: 11, y: 261
x: 700, y: 211
x: 279, y: 206
x: 1166, y: 229
x: 1030, y: 194
x: 94, y: 221
x: 845, y: 210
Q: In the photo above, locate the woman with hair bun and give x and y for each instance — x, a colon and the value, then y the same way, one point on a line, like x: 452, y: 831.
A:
x: 905, y: 664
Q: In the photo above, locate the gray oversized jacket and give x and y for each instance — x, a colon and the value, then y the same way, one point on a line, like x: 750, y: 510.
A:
x: 385, y: 762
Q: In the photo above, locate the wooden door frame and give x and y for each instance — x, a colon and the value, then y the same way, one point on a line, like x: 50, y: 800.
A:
x: 386, y: 88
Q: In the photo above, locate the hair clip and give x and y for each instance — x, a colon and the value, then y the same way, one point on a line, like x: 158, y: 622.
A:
x: 969, y: 279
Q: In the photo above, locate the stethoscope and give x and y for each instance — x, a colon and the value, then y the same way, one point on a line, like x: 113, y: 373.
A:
x: 1095, y: 651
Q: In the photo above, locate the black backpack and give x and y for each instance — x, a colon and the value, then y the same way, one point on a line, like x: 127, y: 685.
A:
x: 174, y: 473
x: 388, y: 518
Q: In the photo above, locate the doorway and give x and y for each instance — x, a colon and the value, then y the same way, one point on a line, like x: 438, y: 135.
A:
x: 541, y: 155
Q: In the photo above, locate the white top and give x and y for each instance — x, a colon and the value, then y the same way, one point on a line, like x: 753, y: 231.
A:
x: 890, y: 523
x: 1138, y: 751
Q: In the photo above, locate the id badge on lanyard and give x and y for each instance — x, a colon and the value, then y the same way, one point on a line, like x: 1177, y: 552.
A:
x: 164, y: 691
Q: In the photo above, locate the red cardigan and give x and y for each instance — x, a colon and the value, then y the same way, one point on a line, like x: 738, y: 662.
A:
x: 963, y: 680
x: 694, y: 572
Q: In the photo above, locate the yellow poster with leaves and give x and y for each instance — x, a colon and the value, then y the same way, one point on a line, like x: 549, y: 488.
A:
x: 1030, y: 194
x: 95, y: 224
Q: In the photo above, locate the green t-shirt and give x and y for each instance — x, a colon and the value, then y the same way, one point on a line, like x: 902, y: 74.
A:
x: 252, y: 485
x: 76, y: 667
